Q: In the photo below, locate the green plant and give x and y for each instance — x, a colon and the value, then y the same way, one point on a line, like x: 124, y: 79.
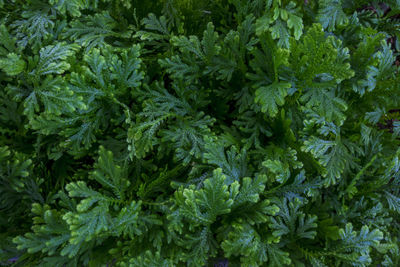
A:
x: 177, y: 132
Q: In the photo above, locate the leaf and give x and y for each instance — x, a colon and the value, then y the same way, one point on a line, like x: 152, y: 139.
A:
x: 277, y: 256
x: 280, y: 162
x: 126, y: 71
x: 393, y: 201
x: 109, y: 174
x: 396, y: 129
x: 365, y: 55
x: 76, y: 137
x: 91, y: 31
x: 150, y: 259
x: 232, y: 162
x: 250, y: 190
x: 210, y: 43
x: 296, y: 23
x: 334, y: 156
x: 86, y: 226
x: 12, y: 65
x: 278, y: 20
x: 73, y: 7
x: 141, y: 137
x: 52, y: 59
x: 377, y: 72
x: 291, y: 221
x: 187, y: 136
x: 253, y: 126
x: 194, y: 55
x: 127, y: 222
x: 317, y: 56
x: 331, y: 14
x: 55, y: 96
x: 279, y: 31
x: 93, y: 218
x: 157, y: 110
x: 179, y: 69
x: 272, y: 96
x: 81, y: 190
x: 191, y: 45
x: 326, y: 104
x: 281, y: 171
x: 17, y: 184
x: 36, y: 25
x: 201, y: 246
x: 154, y: 185
x: 49, y: 234
x: 300, y: 186
x: 154, y: 24
x: 205, y: 205
x: 359, y: 242
x: 375, y: 116
x: 7, y: 42
x: 244, y: 241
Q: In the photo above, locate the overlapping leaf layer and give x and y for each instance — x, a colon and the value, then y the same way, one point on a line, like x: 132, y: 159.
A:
x: 184, y: 132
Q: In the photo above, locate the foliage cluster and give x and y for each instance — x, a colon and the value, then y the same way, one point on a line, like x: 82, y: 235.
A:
x: 179, y: 132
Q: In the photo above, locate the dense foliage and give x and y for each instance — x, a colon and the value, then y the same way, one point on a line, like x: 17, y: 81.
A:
x: 184, y: 132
